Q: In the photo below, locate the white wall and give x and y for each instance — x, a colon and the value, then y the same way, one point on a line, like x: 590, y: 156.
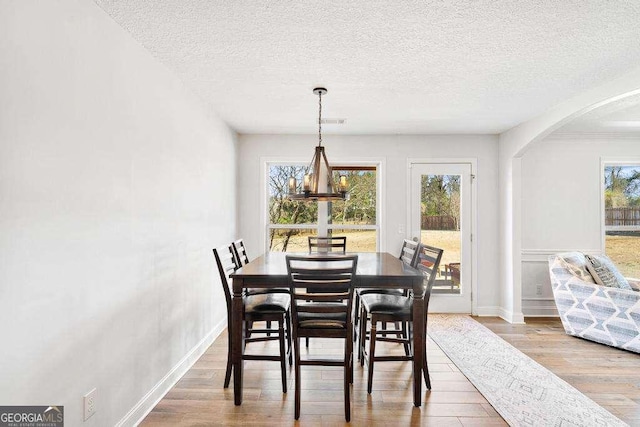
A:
x: 115, y: 183
x: 394, y: 151
x: 561, y: 205
x: 513, y: 143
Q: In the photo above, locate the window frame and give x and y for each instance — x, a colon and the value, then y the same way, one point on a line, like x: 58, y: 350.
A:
x: 604, y: 163
x: 378, y: 164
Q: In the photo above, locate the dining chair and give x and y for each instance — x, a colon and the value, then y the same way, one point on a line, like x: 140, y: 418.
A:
x: 327, y: 244
x: 326, y: 314
x: 242, y: 258
x: 256, y: 308
x: 408, y: 253
x: 397, y: 308
x: 240, y: 252
x: 317, y: 244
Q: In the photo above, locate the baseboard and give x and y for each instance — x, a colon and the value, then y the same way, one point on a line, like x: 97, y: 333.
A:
x: 494, y: 311
x: 151, y: 399
x: 488, y: 311
x: 498, y: 312
x: 511, y: 317
x: 557, y: 316
x: 539, y: 307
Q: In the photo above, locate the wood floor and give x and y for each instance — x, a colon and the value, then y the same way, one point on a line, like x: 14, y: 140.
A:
x: 610, y: 377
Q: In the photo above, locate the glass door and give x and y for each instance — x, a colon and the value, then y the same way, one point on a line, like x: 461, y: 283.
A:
x: 441, y: 217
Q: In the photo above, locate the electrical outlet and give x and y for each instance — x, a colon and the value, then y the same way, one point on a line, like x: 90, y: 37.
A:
x: 401, y: 229
x: 539, y: 289
x: 90, y: 404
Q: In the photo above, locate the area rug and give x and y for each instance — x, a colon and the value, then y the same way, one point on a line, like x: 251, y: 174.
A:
x: 522, y: 391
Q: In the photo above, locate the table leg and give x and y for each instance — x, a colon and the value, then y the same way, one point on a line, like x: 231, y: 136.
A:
x: 418, y: 345
x: 236, y: 339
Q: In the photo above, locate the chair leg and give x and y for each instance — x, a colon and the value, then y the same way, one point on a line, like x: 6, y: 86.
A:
x: 349, y: 351
x: 227, y: 375
x: 425, y: 367
x: 363, y: 336
x: 351, y: 368
x: 356, y: 304
x: 407, y: 350
x: 283, y: 354
x: 372, y: 352
x: 347, y: 379
x: 287, y: 316
x: 296, y: 346
x: 355, y: 327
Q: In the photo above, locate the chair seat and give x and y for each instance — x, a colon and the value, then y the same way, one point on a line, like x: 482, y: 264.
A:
x: 267, y: 303
x: 381, y: 291
x: 387, y: 304
x: 258, y: 291
x: 322, y: 320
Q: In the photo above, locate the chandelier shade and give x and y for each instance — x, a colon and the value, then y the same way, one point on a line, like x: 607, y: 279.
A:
x: 318, y: 183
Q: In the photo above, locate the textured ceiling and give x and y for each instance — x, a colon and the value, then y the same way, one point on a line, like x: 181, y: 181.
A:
x: 391, y: 66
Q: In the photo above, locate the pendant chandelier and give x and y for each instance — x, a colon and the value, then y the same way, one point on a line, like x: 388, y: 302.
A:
x: 318, y: 184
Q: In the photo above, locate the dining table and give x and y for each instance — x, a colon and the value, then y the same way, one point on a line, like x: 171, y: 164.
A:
x: 374, y: 270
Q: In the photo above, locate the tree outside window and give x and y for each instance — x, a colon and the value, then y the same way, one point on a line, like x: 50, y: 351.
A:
x: 622, y: 217
x: 291, y: 222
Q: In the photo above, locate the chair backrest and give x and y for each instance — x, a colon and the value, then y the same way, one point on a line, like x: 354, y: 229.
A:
x: 428, y: 262
x: 409, y: 251
x: 241, y: 252
x: 327, y: 244
x: 227, y: 264
x: 333, y: 277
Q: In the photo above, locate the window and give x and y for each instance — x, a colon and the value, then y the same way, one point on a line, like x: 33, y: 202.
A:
x: 291, y: 222
x: 622, y: 217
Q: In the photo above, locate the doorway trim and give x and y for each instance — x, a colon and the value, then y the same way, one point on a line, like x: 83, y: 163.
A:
x: 474, y: 212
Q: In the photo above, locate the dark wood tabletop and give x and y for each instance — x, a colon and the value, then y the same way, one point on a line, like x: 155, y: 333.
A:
x: 375, y: 270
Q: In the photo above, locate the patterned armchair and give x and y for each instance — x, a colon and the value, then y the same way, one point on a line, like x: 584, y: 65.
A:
x: 606, y: 315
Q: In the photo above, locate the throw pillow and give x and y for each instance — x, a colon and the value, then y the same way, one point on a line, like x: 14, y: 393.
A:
x: 576, y: 263
x: 623, y: 283
x: 604, y: 273
x: 601, y: 274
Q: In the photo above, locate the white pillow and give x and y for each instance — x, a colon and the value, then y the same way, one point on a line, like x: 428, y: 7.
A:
x: 605, y: 273
x: 576, y: 263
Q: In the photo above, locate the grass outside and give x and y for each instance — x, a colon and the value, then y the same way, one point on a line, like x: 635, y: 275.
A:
x: 365, y: 241
x: 447, y: 240
x: 357, y: 241
x: 624, y: 252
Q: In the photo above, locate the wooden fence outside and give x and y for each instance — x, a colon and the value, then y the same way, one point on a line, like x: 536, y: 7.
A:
x: 622, y: 217
x: 440, y: 222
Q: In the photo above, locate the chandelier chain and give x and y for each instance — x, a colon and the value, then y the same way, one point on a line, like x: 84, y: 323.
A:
x: 315, y: 188
x: 319, y: 118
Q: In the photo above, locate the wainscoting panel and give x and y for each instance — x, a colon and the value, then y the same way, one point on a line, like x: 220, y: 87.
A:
x: 537, y: 296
